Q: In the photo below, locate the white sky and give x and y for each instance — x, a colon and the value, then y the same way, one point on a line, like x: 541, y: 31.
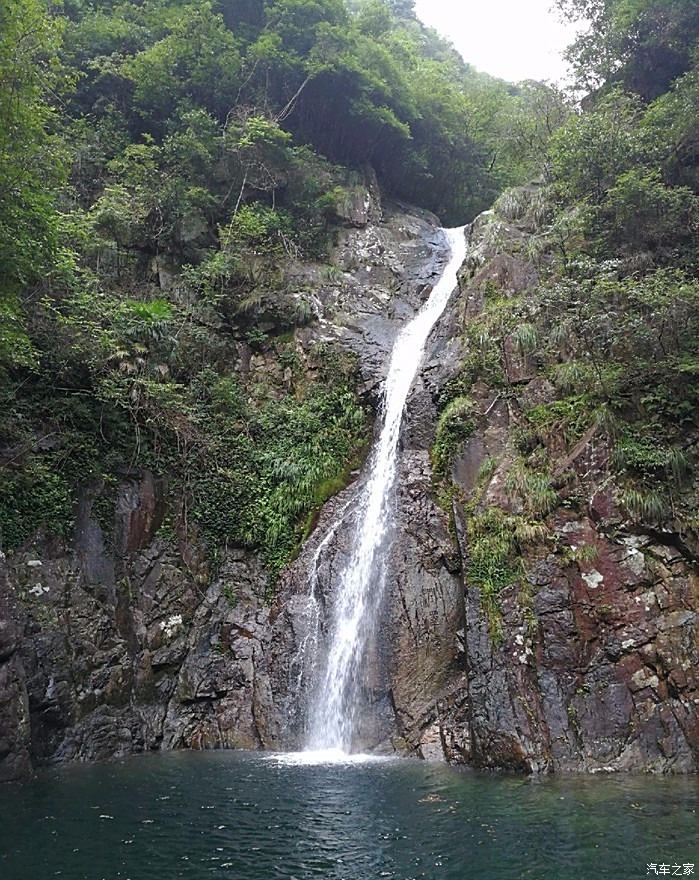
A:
x: 512, y: 39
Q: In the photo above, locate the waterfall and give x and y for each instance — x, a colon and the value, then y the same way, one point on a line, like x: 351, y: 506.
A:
x: 361, y: 583
x: 301, y: 666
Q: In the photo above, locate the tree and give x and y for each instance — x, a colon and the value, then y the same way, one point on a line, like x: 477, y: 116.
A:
x: 31, y: 165
x: 591, y: 150
x: 641, y: 212
x: 643, y: 45
x: 196, y: 65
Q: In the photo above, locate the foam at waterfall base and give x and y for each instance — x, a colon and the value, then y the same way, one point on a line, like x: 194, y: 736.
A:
x: 318, y: 757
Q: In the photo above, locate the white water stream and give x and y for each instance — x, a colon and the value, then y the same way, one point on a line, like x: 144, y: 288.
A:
x: 359, y: 591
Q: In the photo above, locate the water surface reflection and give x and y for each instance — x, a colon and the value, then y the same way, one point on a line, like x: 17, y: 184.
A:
x: 253, y: 817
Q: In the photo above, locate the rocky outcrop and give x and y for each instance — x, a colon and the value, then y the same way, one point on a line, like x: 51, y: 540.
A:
x: 427, y: 605
x: 112, y: 650
x: 127, y: 637
x: 15, y: 752
x: 593, y: 664
x: 415, y: 646
x: 410, y: 652
x: 596, y: 667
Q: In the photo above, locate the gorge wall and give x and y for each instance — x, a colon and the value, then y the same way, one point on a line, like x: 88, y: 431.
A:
x: 588, y: 661
x: 583, y: 661
x: 136, y: 640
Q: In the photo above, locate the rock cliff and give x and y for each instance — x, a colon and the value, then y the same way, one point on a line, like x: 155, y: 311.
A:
x: 128, y: 638
x: 587, y: 661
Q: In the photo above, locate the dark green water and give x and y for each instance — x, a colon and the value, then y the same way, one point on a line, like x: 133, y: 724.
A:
x: 235, y: 815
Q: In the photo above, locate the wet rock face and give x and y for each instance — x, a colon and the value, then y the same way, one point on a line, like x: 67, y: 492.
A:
x: 110, y: 648
x: 415, y: 649
x: 106, y: 653
x: 411, y: 652
x: 598, y: 675
x: 15, y: 759
x: 388, y: 273
x: 593, y: 667
x: 113, y: 646
x: 426, y: 604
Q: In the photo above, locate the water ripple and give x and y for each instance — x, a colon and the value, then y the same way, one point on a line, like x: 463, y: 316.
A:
x: 272, y: 817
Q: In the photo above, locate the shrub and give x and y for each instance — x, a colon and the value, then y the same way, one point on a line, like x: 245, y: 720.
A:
x: 647, y: 458
x: 641, y: 212
x: 35, y: 495
x: 533, y: 488
x: 454, y: 427
x: 649, y: 506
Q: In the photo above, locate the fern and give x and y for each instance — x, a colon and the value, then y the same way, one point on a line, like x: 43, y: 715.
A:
x: 513, y: 203
x: 572, y: 376
x: 486, y: 470
x: 529, y: 533
x: 454, y: 427
x: 303, y: 312
x: 586, y: 554
x: 679, y: 465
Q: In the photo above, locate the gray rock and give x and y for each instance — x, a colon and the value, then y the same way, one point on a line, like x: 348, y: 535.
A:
x: 107, y: 650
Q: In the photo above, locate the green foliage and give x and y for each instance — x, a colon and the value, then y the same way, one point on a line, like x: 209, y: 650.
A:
x: 486, y: 470
x: 491, y: 557
x: 678, y: 465
x: 624, y: 339
x: 613, y: 320
x: 651, y: 506
x: 584, y: 555
x: 371, y: 87
x: 570, y: 416
x: 652, y: 472
x: 162, y: 170
x: 642, y: 455
x: 591, y: 150
x: 196, y: 62
x: 313, y: 445
x: 533, y: 488
x: 642, y: 44
x: 259, y: 228
x: 454, y: 427
x: 147, y: 314
x: 529, y: 206
x: 494, y: 563
x: 291, y: 456
x: 573, y: 376
x: 486, y: 339
x: 641, y: 212
x: 528, y: 117
x: 525, y: 338
x: 529, y: 532
x: 672, y: 130
x: 31, y: 167
x: 631, y: 163
x: 35, y: 494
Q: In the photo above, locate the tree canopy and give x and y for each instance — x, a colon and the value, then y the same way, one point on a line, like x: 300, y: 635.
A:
x: 161, y: 163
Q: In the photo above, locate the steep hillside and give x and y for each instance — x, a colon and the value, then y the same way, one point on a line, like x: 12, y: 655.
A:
x: 566, y: 446
x: 128, y: 635
x: 205, y: 258
x: 581, y: 624
x: 165, y: 168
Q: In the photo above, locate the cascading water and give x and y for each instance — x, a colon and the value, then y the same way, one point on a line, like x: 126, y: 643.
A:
x: 301, y: 665
x: 358, y: 594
